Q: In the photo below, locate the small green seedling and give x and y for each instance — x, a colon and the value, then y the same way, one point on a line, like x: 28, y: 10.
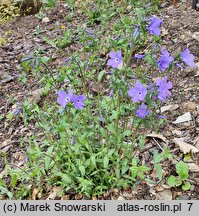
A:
x: 182, y: 170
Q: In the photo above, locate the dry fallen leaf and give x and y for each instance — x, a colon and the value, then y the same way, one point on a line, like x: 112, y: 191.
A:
x: 52, y: 196
x: 185, y: 147
x: 183, y: 118
x: 159, y: 136
x: 34, y: 193
x: 169, y: 108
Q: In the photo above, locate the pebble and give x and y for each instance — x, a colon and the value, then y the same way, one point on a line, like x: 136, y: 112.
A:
x: 183, y: 118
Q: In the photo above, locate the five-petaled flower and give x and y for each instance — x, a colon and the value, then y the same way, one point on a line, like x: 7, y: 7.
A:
x: 163, y: 88
x: 116, y: 59
x: 138, y: 93
x: 154, y: 25
x: 142, y: 111
x: 78, y: 101
x: 165, y: 60
x: 63, y: 98
x: 188, y: 58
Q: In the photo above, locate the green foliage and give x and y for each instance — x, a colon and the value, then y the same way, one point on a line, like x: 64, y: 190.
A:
x: 65, y: 40
x: 8, y: 11
x: 182, y: 170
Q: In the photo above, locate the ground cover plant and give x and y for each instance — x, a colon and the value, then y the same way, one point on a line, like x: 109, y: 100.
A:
x: 98, y: 106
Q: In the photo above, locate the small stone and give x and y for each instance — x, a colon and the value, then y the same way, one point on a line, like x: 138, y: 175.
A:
x: 169, y: 108
x: 183, y: 118
x: 45, y: 20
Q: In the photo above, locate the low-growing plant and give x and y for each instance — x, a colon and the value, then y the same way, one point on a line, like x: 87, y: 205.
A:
x: 182, y: 169
x: 91, y: 136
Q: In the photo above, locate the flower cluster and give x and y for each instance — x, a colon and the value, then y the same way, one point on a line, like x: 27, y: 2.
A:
x: 139, y: 91
x: 77, y: 100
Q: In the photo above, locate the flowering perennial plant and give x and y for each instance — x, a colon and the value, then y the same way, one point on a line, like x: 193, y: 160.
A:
x: 88, y: 144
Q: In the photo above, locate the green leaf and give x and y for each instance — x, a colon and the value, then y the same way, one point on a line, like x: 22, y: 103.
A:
x: 142, y: 140
x: 158, y: 168
x: 14, y: 180
x: 127, y: 133
x: 186, y: 186
x: 66, y: 178
x: 171, y: 181
x: 100, y: 75
x: 125, y: 166
x: 183, y: 170
x: 106, y: 161
x: 93, y: 161
x: 117, y: 172
x: 110, y: 152
x: 112, y: 128
x: 82, y: 170
x: 48, y: 159
x: 157, y: 156
x: 3, y: 190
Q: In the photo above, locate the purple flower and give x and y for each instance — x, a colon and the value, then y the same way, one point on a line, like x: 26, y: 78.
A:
x: 138, y: 93
x: 163, y: 88
x: 101, y: 118
x: 142, y: 111
x: 162, y: 117
x: 26, y: 58
x: 63, y: 98
x: 188, y: 58
x: 17, y: 111
x: 139, y: 56
x: 154, y: 25
x: 78, y: 101
x: 111, y: 93
x: 165, y: 60
x: 116, y: 37
x: 67, y: 60
x: 136, y: 32
x: 116, y: 59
